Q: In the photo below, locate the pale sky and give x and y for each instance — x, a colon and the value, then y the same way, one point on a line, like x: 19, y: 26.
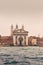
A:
x: 22, y: 12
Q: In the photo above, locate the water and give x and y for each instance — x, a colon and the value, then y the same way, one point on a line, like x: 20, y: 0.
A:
x: 21, y: 55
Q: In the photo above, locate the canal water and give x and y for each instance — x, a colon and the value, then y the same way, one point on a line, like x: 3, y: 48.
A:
x: 21, y: 55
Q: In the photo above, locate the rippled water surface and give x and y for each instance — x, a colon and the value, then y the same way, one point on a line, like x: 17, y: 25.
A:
x: 21, y: 55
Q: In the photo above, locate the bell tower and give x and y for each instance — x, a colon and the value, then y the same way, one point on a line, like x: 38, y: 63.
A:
x: 12, y: 30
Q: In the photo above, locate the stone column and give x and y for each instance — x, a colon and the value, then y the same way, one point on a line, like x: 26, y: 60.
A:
x: 24, y: 40
x: 16, y: 39
x: 27, y: 40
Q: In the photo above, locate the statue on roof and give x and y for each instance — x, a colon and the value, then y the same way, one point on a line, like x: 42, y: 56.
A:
x: 22, y: 27
x: 16, y: 26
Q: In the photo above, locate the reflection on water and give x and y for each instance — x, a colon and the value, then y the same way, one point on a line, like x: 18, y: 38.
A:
x: 21, y: 56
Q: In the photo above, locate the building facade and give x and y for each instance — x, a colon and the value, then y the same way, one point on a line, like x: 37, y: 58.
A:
x: 32, y: 41
x: 20, y: 36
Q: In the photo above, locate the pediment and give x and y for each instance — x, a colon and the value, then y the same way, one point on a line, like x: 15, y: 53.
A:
x: 20, y: 30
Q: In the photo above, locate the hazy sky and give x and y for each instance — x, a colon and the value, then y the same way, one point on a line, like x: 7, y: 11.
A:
x: 22, y: 12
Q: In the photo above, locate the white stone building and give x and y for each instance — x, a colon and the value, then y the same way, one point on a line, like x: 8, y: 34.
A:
x: 20, y: 36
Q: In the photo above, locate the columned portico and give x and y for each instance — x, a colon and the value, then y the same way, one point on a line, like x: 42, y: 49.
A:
x: 19, y: 36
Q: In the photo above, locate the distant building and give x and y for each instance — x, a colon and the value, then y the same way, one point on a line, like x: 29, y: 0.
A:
x: 32, y: 40
x: 40, y: 41
x: 20, y: 36
x: 6, y: 41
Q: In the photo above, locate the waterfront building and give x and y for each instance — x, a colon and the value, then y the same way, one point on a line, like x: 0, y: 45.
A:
x: 32, y: 40
x: 20, y: 36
